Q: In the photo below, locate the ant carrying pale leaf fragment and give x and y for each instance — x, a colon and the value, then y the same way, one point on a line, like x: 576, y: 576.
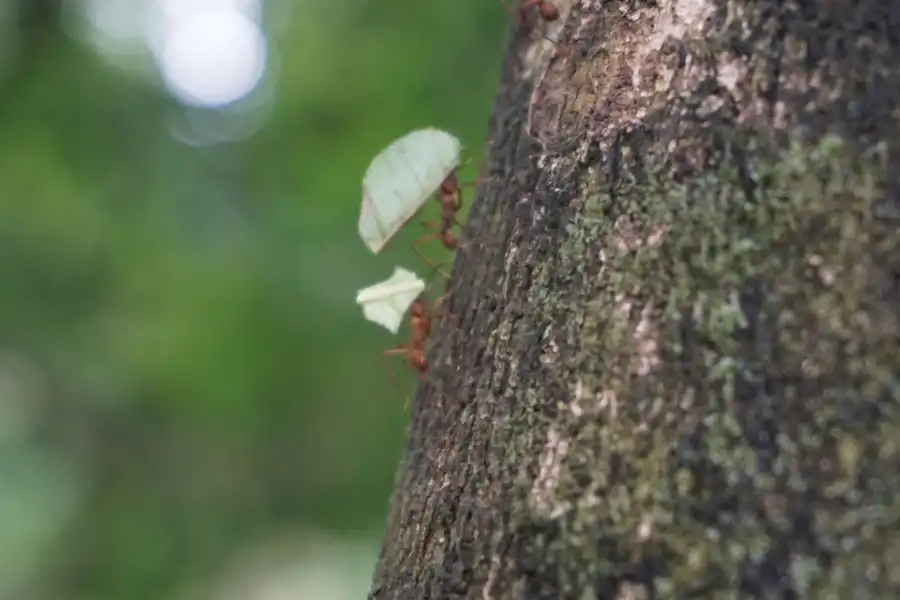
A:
x: 401, y: 178
x: 449, y: 195
x: 412, y: 351
x: 401, y: 296
x: 387, y: 302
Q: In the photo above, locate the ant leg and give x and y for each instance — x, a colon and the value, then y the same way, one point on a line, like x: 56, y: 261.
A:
x: 430, y: 262
x: 432, y: 225
x: 431, y: 314
x: 435, y: 269
x: 385, y: 354
x: 458, y: 202
x: 442, y: 313
x: 475, y: 182
x: 424, y: 238
x: 397, y: 351
x: 419, y: 376
x: 440, y: 300
x: 506, y: 6
x: 437, y: 313
x: 435, y: 266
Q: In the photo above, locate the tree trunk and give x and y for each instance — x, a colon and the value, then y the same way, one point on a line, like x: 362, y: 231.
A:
x: 673, y: 367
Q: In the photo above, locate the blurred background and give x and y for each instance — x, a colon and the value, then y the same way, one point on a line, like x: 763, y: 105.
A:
x: 191, y: 404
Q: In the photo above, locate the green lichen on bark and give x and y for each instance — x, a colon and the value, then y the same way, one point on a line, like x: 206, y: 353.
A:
x: 755, y: 447
x: 673, y: 367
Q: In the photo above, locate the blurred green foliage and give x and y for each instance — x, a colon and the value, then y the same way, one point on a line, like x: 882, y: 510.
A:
x: 183, y: 370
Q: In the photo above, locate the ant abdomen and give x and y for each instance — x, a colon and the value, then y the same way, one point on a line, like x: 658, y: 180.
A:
x: 548, y: 11
x: 450, y: 241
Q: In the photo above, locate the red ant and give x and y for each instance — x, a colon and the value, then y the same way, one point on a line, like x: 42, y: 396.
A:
x: 449, y: 196
x: 413, y: 351
x: 547, y: 11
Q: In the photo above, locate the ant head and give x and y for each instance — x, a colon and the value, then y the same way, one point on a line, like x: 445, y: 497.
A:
x: 417, y: 308
x: 449, y: 185
x: 548, y: 11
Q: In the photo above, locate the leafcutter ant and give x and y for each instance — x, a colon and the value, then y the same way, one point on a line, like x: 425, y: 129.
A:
x: 449, y: 195
x: 547, y: 11
x: 413, y: 350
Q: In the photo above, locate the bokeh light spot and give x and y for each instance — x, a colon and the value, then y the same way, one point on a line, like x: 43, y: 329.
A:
x: 212, y: 58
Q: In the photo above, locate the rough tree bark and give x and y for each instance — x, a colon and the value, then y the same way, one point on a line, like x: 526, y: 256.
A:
x: 673, y: 371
